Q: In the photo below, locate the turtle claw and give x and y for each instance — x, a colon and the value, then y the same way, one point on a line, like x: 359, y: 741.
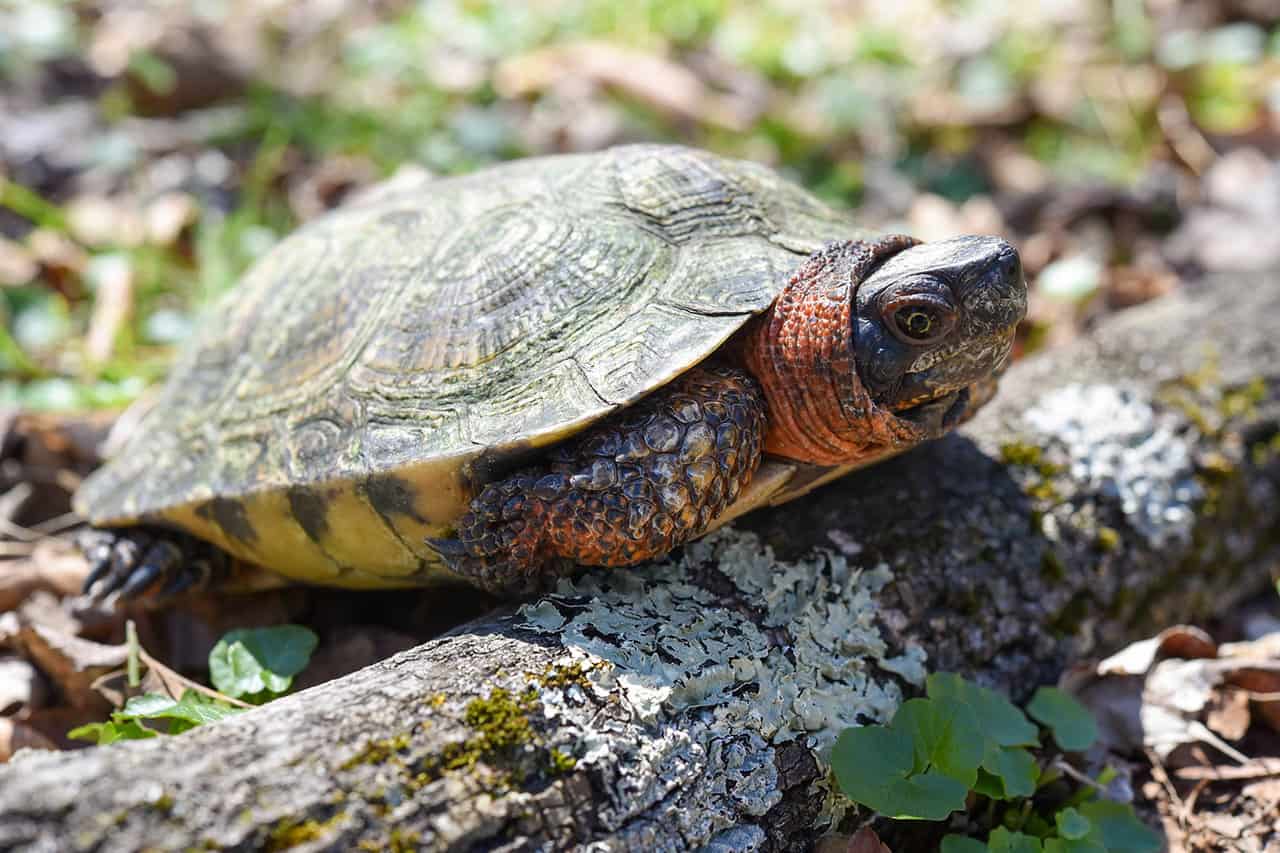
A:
x: 135, y: 560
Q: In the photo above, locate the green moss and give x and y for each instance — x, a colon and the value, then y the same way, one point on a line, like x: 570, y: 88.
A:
x: 1243, y: 402
x: 502, y: 725
x: 288, y: 832
x: 1108, y: 538
x: 377, y: 751
x: 398, y: 841
x: 1031, y: 457
x: 1028, y: 456
x: 559, y: 676
x: 561, y: 762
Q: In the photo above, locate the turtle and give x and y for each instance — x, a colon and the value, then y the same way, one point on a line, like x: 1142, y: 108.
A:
x: 580, y: 359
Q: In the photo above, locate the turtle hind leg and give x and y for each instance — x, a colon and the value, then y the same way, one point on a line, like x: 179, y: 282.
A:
x: 642, y: 482
x: 137, y: 560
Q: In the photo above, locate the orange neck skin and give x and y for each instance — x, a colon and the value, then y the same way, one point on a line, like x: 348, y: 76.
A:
x: 801, y: 352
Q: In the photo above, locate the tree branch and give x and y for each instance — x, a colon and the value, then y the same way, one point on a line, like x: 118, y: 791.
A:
x: 1122, y: 483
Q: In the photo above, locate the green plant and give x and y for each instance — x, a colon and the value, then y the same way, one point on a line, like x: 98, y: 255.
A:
x: 965, y: 740
x: 254, y: 664
x: 258, y: 664
x: 192, y: 710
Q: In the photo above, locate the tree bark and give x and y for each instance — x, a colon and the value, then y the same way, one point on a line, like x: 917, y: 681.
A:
x: 1124, y: 482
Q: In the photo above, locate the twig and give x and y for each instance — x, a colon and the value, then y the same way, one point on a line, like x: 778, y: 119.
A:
x: 58, y: 524
x: 1082, y: 778
x: 17, y: 549
x: 1162, y: 776
x: 1257, y: 768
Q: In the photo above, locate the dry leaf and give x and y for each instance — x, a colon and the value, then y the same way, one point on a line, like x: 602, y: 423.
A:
x: 15, y: 735
x: 21, y: 686
x: 53, y: 566
x: 71, y: 663
x: 866, y: 841
x: 1228, y: 713
x: 112, y: 304
x: 660, y: 83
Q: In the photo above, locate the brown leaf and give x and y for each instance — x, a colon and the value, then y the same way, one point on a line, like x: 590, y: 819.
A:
x: 1266, y: 647
x: 1228, y: 713
x: 1262, y: 679
x: 21, y: 686
x: 15, y: 736
x: 660, y: 83
x: 866, y: 841
x: 71, y: 663
x: 1187, y: 642
x: 53, y: 566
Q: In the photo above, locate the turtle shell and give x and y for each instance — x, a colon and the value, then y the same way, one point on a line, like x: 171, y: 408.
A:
x: 345, y: 400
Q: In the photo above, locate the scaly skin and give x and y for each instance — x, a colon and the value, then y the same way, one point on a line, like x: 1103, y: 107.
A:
x: 801, y: 351
x: 628, y: 490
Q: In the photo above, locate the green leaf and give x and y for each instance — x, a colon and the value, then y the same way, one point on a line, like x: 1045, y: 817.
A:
x: 1003, y: 840
x: 927, y: 796
x: 257, y: 660
x: 867, y: 760
x: 111, y: 731
x: 1071, y: 824
x: 989, y: 785
x: 999, y: 719
x: 193, y: 709
x: 962, y: 844
x: 872, y: 765
x: 1016, y: 768
x: 945, y: 735
x: 1066, y: 845
x: 1073, y: 726
x: 1117, y: 828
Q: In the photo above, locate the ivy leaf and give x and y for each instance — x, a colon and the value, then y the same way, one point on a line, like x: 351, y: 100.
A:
x: 1073, y: 726
x: 1118, y: 829
x: 946, y: 736
x: 111, y: 731
x: 252, y: 661
x: 927, y: 796
x: 873, y: 766
x: 1071, y: 824
x: 1067, y: 845
x: 989, y: 785
x: 1003, y: 840
x: 999, y: 719
x: 1016, y: 768
x: 193, y: 709
x: 962, y: 844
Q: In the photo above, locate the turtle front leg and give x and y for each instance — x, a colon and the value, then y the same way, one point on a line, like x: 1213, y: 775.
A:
x: 630, y: 489
x: 135, y: 560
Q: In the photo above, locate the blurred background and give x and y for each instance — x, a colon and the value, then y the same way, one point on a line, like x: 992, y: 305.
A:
x: 150, y: 150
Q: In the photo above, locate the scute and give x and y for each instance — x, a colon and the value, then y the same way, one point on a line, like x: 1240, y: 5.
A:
x: 484, y: 314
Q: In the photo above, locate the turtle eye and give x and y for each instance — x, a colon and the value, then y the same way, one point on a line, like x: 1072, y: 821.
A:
x: 919, y: 320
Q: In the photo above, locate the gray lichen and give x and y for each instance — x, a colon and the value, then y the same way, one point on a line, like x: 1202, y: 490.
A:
x: 786, y: 650
x: 1122, y: 450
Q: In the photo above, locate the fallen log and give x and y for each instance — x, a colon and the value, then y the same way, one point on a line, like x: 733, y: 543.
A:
x: 1125, y: 482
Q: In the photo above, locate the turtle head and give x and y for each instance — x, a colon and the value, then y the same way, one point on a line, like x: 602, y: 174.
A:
x: 878, y: 345
x: 933, y: 327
